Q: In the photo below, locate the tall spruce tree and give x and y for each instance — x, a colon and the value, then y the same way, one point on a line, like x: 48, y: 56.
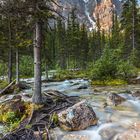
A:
x: 129, y: 24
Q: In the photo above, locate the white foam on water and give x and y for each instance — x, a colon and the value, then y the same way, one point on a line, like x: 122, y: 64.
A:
x: 86, y: 1
x: 135, y: 103
x: 94, y: 132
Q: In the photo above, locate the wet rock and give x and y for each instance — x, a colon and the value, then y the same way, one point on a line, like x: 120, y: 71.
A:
x: 23, y: 85
x: 26, y: 97
x: 131, y: 134
x: 96, y: 90
x: 136, y: 94
x: 78, y: 117
x: 20, y: 86
x: 29, y: 95
x: 125, y: 91
x: 104, y: 105
x: 108, y: 133
x: 75, y: 84
x: 75, y: 137
x: 114, y: 99
x: 135, y: 81
x: 83, y: 87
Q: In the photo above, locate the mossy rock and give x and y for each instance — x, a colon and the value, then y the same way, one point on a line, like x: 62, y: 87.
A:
x: 14, y: 105
x: 14, y: 111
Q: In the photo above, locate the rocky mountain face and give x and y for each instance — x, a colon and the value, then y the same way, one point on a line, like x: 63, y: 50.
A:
x: 88, y: 10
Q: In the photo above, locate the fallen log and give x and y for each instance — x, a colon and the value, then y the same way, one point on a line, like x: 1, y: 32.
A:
x: 2, y: 92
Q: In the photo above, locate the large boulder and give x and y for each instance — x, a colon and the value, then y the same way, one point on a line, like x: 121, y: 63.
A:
x: 114, y: 99
x: 131, y: 134
x: 78, y: 117
x: 136, y: 94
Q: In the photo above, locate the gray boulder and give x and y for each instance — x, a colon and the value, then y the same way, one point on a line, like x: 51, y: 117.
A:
x: 78, y: 117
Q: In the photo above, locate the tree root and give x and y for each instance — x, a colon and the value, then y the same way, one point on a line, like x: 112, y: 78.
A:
x: 40, y: 120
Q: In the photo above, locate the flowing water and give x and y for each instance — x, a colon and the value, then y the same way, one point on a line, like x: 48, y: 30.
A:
x: 112, y: 120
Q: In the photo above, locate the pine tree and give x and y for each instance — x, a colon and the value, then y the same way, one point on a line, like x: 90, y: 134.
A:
x: 129, y: 22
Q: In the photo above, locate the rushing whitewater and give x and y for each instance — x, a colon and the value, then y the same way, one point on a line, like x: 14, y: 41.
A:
x: 112, y: 120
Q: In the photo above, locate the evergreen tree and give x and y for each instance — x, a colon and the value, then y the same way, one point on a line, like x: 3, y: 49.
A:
x: 130, y: 23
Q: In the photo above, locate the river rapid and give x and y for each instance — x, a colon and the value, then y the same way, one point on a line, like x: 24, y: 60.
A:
x: 112, y: 120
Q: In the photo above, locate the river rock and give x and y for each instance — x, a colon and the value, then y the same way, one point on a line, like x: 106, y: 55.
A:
x: 135, y: 80
x: 78, y: 117
x: 75, y: 137
x: 136, y: 94
x: 114, y: 99
x: 131, y: 134
x: 83, y: 87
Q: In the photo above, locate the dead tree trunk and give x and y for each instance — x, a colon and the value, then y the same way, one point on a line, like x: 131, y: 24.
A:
x: 133, y: 28
x: 37, y: 97
x: 17, y: 66
x: 10, y: 52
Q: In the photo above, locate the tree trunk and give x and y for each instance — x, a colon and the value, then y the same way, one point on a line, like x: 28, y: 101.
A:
x: 17, y: 66
x: 133, y: 28
x: 46, y: 71
x: 10, y: 52
x: 37, y: 97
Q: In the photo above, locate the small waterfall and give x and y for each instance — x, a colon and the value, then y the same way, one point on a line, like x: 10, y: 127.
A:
x: 88, y: 14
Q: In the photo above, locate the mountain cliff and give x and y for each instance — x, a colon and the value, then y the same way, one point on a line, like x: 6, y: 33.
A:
x: 87, y: 11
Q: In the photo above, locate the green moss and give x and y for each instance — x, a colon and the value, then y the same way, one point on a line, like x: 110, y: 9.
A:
x: 13, y: 119
x: 113, y: 82
x: 28, y: 126
x: 54, y: 118
x: 9, y: 117
x: 26, y: 76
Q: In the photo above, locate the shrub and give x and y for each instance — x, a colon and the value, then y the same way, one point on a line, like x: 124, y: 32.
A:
x: 3, y: 69
x: 106, y: 66
x: 26, y: 66
x: 111, y: 66
x: 126, y: 70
